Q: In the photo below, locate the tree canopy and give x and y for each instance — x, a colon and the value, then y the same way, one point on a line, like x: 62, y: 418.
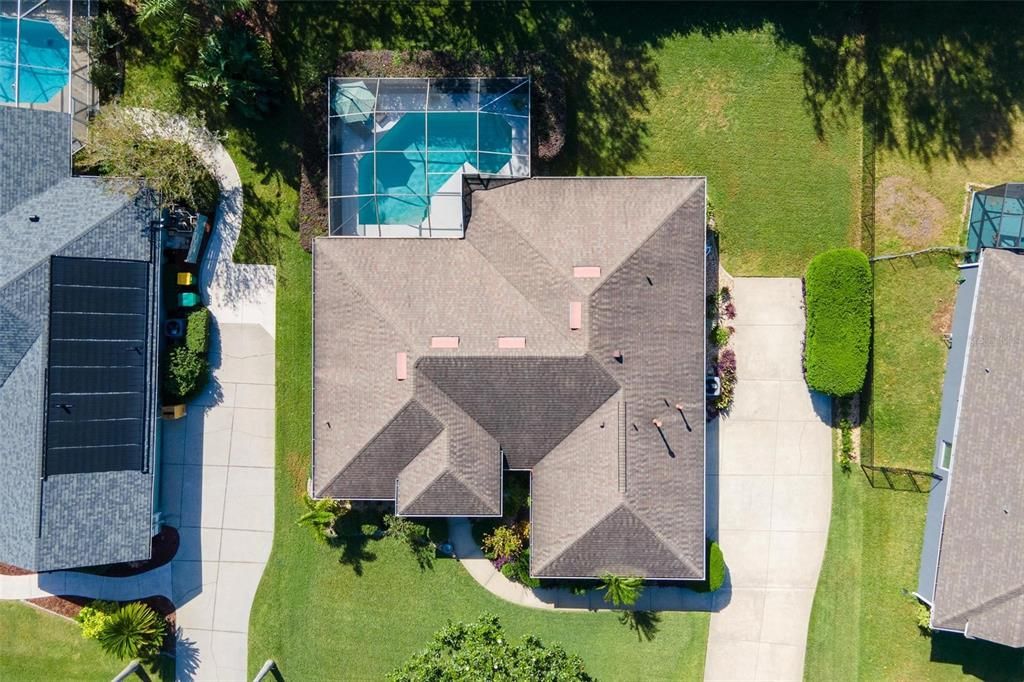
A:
x: 482, y: 650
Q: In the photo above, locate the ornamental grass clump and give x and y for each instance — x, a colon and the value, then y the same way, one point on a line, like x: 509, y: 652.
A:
x: 838, y: 287
x: 133, y: 631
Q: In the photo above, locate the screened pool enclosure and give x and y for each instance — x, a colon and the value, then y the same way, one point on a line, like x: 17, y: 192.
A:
x: 399, y: 147
x: 997, y: 219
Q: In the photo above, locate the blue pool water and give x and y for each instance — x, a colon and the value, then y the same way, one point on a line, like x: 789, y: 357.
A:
x: 406, y: 175
x: 43, y: 60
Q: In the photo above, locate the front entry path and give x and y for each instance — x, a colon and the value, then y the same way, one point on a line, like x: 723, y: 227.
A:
x: 774, y: 492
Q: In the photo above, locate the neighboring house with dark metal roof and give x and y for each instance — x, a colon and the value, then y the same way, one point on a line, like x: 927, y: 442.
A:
x: 564, y: 335
x: 79, y: 314
x: 972, y: 561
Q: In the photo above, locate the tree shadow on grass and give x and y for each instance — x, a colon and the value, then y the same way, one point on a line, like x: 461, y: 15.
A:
x: 354, y: 552
x: 644, y: 623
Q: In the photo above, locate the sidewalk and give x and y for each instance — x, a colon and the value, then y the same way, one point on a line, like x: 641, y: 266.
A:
x: 773, y: 487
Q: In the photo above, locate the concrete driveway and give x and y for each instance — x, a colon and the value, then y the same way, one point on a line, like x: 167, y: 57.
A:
x: 774, y: 492
x: 217, y: 488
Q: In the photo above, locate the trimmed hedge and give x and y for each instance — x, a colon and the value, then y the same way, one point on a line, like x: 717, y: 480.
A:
x: 838, y: 297
x: 716, y: 568
x: 197, y: 331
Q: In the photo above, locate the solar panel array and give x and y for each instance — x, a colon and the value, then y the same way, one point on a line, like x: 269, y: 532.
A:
x: 98, y: 366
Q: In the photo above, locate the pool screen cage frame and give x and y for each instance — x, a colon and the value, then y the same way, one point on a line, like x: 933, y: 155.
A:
x: 996, y: 219
x: 73, y: 20
x: 392, y: 99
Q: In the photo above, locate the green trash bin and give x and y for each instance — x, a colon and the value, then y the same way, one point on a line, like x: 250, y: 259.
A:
x: 188, y: 299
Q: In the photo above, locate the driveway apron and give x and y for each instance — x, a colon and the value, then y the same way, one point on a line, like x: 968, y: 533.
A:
x: 772, y: 490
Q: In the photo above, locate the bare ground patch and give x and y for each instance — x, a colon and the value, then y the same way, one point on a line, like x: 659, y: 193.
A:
x: 908, y: 211
x: 942, y: 318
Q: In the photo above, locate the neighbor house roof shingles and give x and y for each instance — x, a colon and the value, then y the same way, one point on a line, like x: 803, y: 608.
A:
x: 610, y: 491
x: 980, y: 580
x: 67, y: 520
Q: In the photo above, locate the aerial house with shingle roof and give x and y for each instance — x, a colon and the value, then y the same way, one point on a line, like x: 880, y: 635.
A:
x: 79, y: 314
x: 972, y: 559
x: 562, y: 332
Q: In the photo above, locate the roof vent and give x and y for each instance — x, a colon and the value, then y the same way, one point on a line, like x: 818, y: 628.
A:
x: 575, y: 315
x: 445, y: 342
x: 401, y: 366
x: 33, y: 218
x: 586, y: 271
x: 510, y: 342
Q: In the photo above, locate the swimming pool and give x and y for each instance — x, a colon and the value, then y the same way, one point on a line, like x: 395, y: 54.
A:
x: 43, y: 60
x: 398, y: 148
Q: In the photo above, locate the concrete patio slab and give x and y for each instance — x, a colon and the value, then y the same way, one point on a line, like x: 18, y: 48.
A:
x: 774, y: 492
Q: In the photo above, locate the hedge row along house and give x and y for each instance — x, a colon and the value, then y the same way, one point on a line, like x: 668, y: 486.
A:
x: 972, y: 561
x: 555, y: 325
x: 79, y: 319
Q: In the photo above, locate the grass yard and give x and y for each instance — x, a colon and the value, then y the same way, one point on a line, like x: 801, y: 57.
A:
x: 37, y: 646
x: 863, y: 622
x: 731, y: 108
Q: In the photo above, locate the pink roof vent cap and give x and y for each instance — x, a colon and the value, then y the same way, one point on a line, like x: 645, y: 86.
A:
x: 586, y: 271
x: 575, y: 315
x: 447, y: 342
x: 510, y: 342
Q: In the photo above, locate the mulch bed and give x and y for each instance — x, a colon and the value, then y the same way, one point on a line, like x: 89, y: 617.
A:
x: 69, y: 606
x: 8, y: 569
x: 547, y: 108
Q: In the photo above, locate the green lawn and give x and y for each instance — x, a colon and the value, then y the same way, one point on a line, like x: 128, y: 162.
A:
x: 731, y: 108
x: 37, y: 646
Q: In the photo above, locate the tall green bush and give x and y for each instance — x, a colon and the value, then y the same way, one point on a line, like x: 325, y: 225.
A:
x: 716, y: 568
x: 838, y: 298
x: 197, y: 331
x: 187, y: 373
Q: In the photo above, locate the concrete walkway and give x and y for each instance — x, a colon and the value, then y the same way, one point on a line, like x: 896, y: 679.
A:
x: 774, y: 492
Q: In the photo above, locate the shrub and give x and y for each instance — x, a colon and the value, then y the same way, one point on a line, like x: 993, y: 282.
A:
x: 505, y: 542
x: 718, y: 336
x: 197, y: 330
x: 483, y: 651
x: 93, y: 618
x: 838, y: 298
x: 133, y: 631
x: 235, y: 70
x: 414, y: 535
x: 716, y: 568
x: 321, y: 515
x: 187, y: 373
x: 726, y: 367
x: 518, y: 570
x: 845, y: 444
x: 924, y: 618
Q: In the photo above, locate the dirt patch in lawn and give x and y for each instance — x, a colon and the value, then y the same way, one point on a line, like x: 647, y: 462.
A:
x: 942, y: 318
x: 909, y: 212
x: 716, y: 99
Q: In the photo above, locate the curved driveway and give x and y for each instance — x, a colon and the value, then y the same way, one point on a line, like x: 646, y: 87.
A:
x: 774, y: 492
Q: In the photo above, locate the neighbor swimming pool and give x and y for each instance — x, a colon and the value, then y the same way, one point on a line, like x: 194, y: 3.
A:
x: 43, y: 60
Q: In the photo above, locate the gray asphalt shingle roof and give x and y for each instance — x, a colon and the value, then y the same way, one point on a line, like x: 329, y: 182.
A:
x: 980, y: 580
x: 611, y: 492
x: 68, y: 520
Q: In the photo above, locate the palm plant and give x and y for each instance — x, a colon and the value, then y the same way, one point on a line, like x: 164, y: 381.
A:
x: 234, y: 70
x: 135, y: 630
x: 321, y: 515
x: 621, y: 590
